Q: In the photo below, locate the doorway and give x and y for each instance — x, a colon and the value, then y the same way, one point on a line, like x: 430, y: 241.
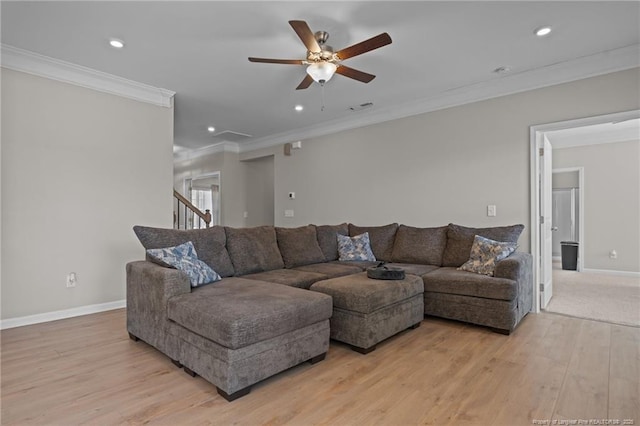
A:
x: 542, y: 198
x: 204, y: 193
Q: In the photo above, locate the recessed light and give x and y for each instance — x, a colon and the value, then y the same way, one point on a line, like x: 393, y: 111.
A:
x: 298, y: 108
x: 211, y: 129
x: 118, y: 44
x: 542, y: 31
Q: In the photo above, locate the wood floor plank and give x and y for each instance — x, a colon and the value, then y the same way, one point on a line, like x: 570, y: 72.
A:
x: 85, y: 370
x: 585, y: 390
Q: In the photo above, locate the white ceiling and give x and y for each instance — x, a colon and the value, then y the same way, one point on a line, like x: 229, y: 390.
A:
x: 440, y: 50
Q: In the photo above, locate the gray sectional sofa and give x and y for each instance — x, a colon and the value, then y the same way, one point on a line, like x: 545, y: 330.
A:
x: 284, y: 294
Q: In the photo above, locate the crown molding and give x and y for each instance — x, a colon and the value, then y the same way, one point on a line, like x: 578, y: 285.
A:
x: 562, y: 72
x: 190, y: 154
x: 43, y: 66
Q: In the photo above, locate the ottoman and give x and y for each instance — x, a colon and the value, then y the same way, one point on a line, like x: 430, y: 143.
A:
x: 237, y: 332
x: 367, y: 311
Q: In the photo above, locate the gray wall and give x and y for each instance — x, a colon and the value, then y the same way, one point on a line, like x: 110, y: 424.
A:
x: 611, y: 202
x: 80, y: 168
x: 439, y: 167
x: 565, y: 179
x: 260, y: 191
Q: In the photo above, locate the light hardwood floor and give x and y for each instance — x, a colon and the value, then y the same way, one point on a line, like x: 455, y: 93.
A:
x: 85, y: 370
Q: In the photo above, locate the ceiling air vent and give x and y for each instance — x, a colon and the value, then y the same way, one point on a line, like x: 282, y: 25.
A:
x: 230, y: 136
x: 361, y: 106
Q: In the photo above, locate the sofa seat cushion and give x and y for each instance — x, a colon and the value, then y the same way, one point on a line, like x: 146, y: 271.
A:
x: 299, y: 246
x: 362, y: 264
x: 330, y: 270
x: 328, y: 239
x: 237, y: 312
x: 450, y: 280
x: 412, y: 268
x: 460, y: 239
x: 253, y: 249
x: 381, y: 237
x: 359, y: 293
x: 419, y: 245
x: 210, y: 244
x: 290, y: 277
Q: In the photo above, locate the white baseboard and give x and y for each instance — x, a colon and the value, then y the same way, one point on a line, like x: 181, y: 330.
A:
x: 57, y: 315
x: 612, y: 272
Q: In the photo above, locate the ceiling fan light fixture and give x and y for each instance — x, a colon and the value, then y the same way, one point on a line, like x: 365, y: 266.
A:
x: 321, y: 72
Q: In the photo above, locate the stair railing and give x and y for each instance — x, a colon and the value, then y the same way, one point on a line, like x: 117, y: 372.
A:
x: 189, y: 211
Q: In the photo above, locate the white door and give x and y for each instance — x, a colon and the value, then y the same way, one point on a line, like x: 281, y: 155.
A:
x: 546, y: 234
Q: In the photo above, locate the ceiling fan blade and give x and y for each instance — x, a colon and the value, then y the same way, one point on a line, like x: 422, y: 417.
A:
x: 277, y: 61
x: 305, y: 83
x: 355, y: 74
x: 306, y: 35
x: 364, y: 46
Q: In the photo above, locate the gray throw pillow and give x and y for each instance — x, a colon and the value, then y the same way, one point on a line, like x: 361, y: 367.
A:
x: 419, y: 245
x: 356, y: 248
x: 485, y: 254
x: 209, y: 243
x: 253, y: 249
x: 381, y: 237
x: 299, y: 246
x: 185, y: 258
x: 460, y: 239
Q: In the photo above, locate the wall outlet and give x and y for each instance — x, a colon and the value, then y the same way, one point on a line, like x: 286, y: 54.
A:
x: 245, y: 215
x: 72, y: 280
x: 491, y: 210
x: 288, y: 213
x: 292, y: 195
x: 613, y: 254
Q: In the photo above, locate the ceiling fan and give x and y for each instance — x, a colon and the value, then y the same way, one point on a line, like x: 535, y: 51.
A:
x: 322, y: 62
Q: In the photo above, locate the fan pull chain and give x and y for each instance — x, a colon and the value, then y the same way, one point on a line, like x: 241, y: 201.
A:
x: 322, y: 107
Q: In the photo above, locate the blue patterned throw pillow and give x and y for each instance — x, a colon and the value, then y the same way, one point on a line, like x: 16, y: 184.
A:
x: 485, y: 253
x: 355, y: 248
x: 184, y: 258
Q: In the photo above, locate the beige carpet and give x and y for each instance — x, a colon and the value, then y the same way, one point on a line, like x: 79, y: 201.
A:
x: 608, y: 298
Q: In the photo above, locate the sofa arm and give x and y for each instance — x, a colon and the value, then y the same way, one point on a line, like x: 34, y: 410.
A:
x: 149, y: 287
x: 519, y: 267
x: 515, y: 267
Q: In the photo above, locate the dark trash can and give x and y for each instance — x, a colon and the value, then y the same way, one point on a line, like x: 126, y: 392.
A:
x: 569, y: 255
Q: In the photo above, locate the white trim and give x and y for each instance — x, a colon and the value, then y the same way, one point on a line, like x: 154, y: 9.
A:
x: 66, y: 72
x: 612, y: 272
x: 535, y: 137
x: 57, y: 315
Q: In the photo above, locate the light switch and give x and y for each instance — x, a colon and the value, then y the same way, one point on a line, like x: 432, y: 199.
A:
x: 491, y: 210
x: 288, y: 213
x: 292, y: 195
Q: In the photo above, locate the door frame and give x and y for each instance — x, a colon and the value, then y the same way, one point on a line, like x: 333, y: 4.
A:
x: 581, y: 212
x: 536, y: 136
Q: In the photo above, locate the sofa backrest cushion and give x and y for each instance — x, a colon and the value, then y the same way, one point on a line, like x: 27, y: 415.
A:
x: 253, y: 249
x: 209, y: 244
x: 381, y: 238
x: 419, y: 245
x: 328, y: 239
x: 299, y: 246
x: 460, y: 239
